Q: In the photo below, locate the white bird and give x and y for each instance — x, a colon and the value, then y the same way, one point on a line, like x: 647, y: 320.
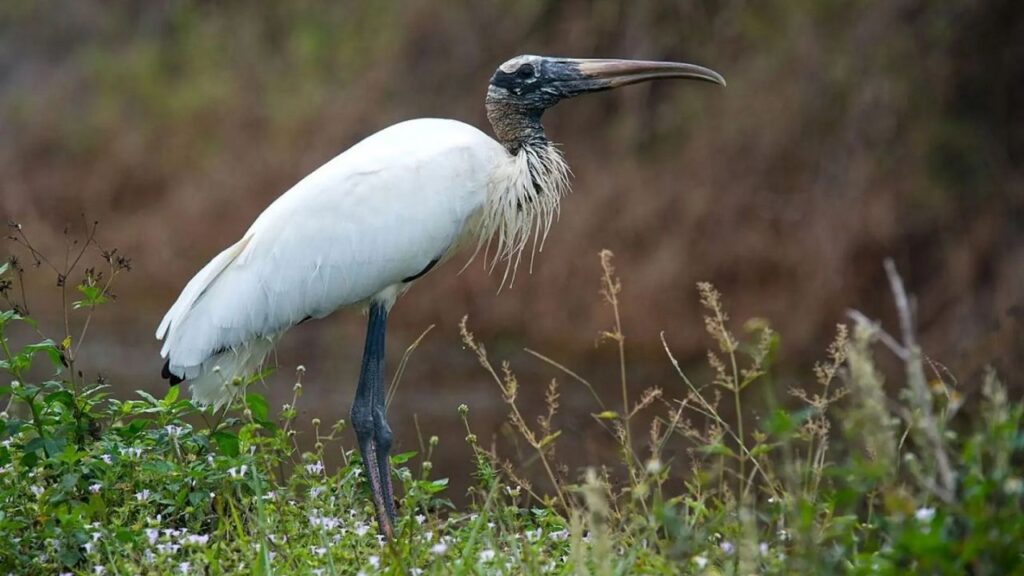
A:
x: 359, y: 230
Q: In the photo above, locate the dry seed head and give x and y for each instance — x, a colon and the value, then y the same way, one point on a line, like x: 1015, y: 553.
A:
x: 868, y: 417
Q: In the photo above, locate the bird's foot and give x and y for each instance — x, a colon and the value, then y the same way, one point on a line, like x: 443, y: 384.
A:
x: 380, y: 487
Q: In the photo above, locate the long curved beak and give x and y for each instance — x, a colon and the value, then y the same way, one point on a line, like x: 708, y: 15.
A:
x: 592, y: 75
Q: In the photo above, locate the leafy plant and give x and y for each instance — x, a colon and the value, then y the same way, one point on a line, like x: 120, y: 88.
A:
x: 849, y: 479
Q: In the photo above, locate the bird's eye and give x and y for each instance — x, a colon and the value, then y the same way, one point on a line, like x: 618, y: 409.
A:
x: 525, y: 71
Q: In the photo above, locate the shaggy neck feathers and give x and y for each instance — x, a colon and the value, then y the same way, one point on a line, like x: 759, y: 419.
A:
x: 526, y: 189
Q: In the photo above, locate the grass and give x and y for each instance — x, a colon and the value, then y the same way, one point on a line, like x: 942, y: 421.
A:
x: 861, y: 477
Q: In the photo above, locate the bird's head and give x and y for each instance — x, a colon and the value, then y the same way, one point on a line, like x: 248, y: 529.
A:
x: 524, y: 87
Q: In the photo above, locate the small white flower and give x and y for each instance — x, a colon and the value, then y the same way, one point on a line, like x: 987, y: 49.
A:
x: 374, y: 561
x: 318, y: 550
x: 239, y: 472
x: 420, y: 518
x: 924, y: 514
x: 439, y: 549
x: 95, y: 488
x: 36, y: 490
x: 88, y: 547
x: 361, y: 529
x: 415, y: 571
x: 762, y: 548
x: 315, y: 468
x: 184, y: 566
x: 142, y: 496
x: 559, y: 535
x: 653, y: 466
x: 1013, y: 486
x: 152, y: 534
x: 315, y: 491
x: 197, y: 539
x: 99, y: 570
x: 727, y: 547
x: 486, y: 555
x: 700, y: 561
x: 107, y: 458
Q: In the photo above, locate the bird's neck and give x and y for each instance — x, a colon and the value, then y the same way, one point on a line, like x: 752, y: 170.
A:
x: 514, y: 125
x: 524, y: 192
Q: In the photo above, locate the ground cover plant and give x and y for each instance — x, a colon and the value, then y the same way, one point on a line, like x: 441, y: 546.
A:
x: 861, y: 477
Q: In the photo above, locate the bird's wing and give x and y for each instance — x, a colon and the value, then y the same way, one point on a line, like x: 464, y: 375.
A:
x: 375, y: 215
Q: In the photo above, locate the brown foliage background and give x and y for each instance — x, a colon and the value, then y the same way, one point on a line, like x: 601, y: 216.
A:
x: 850, y: 131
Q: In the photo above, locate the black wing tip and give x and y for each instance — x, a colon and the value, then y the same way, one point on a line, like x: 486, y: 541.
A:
x: 166, y: 374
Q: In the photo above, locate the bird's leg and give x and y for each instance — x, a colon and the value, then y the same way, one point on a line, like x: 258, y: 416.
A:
x: 382, y: 435
x: 364, y: 419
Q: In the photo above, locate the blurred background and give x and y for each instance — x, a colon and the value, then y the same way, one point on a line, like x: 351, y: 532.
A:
x: 850, y: 131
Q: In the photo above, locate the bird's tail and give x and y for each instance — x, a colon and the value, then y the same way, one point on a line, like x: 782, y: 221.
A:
x: 221, y: 377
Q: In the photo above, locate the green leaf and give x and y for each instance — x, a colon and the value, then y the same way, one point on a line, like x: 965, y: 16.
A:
x: 718, y: 449
x: 227, y: 442
x: 606, y: 415
x: 62, y: 396
x: 549, y: 439
x: 34, y: 444
x: 92, y: 296
x: 50, y: 348
x: 172, y: 395
x: 402, y: 458
x: 148, y: 397
x: 438, y: 485
x: 69, y: 480
x: 70, y: 556
x: 257, y: 404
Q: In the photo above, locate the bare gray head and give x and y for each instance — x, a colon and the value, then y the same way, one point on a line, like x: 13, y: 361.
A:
x: 525, y: 86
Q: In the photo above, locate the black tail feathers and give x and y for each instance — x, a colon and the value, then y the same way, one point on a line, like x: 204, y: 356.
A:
x: 166, y: 374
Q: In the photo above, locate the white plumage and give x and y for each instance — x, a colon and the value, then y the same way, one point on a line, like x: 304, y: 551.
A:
x: 352, y: 230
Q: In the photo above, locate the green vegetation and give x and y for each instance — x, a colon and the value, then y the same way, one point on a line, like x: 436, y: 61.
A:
x: 855, y: 480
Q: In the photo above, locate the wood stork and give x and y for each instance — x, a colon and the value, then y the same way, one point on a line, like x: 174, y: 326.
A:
x: 362, y: 228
